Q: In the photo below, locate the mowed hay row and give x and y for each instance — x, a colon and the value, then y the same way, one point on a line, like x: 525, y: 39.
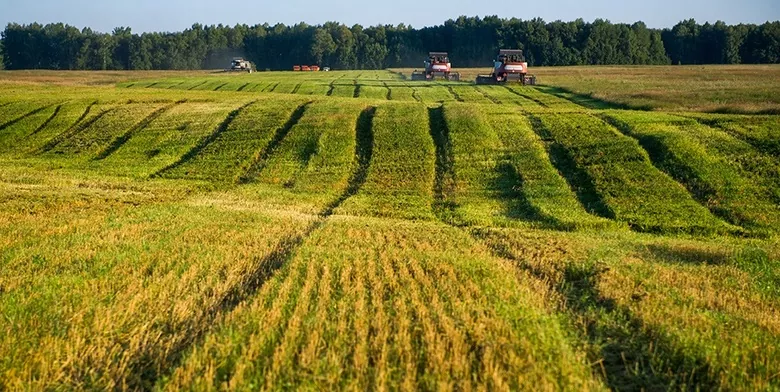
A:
x: 504, y: 95
x: 63, y: 117
x: 546, y: 98
x: 286, y: 87
x: 14, y: 131
x: 15, y: 112
x: 760, y: 131
x: 466, y: 93
x: 112, y: 123
x: 313, y: 88
x: 724, y: 173
x: 660, y: 312
x: 401, y: 173
x: 103, y: 289
x: 502, y: 171
x: 369, y: 304
x: 428, y: 93
x: 163, y: 142
x: 344, y: 90
x: 614, y: 177
x: 401, y: 93
x: 373, y: 92
x: 237, y: 141
x: 316, y: 155
x: 209, y: 85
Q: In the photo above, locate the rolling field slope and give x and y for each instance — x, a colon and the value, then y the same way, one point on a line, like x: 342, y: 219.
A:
x: 358, y: 231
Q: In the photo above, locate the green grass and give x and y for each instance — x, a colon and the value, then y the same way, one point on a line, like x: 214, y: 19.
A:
x: 400, y: 177
x: 442, y: 237
x: 714, y: 166
x: 615, y: 178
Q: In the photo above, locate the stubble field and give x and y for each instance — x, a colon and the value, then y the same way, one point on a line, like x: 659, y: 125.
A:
x: 355, y: 230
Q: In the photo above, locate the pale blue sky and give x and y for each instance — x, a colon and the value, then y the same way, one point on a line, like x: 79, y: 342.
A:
x: 176, y: 15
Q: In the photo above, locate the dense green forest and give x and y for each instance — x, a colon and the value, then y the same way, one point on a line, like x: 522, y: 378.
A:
x: 471, y: 41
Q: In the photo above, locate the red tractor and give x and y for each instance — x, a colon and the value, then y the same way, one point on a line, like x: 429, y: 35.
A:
x: 509, y: 66
x: 437, y: 65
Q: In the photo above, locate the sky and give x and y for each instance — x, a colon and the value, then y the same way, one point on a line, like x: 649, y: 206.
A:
x: 177, y: 15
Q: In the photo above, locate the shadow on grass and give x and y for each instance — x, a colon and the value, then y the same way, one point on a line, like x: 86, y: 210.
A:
x: 149, y: 369
x: 579, y: 180
x: 627, y: 353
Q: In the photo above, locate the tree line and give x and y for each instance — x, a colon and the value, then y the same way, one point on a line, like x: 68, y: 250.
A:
x: 471, y: 42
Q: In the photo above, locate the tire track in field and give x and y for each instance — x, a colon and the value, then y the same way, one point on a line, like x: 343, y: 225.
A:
x: 243, y: 87
x: 632, y: 344
x: 74, y: 130
x: 356, y: 92
x: 261, y: 158
x: 264, y: 267
x: 526, y: 96
x: 220, y: 86
x: 22, y: 117
x: 121, y: 140
x: 208, y: 139
x: 330, y: 90
x: 152, y: 85
x: 48, y: 120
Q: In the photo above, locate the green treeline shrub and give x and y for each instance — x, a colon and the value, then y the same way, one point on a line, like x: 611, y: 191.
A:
x: 471, y: 41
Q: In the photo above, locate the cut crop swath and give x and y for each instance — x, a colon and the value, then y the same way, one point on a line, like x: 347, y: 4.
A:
x: 317, y: 153
x: 504, y: 174
x: 724, y: 173
x: 614, y: 176
x: 251, y: 129
x: 168, y: 138
x: 400, y: 179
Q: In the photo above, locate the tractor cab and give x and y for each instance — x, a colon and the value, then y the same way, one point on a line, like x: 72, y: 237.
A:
x: 509, y: 66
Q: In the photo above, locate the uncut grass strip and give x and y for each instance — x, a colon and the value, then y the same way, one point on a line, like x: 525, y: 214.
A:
x: 197, y: 85
x: 712, y: 165
x: 400, y: 180
x: 78, y: 127
x: 613, y: 170
x: 230, y: 153
x: 118, y: 142
x: 203, y: 143
x: 257, y: 164
x: 95, y: 138
x: 488, y: 96
x: 13, y: 135
x: 22, y: 117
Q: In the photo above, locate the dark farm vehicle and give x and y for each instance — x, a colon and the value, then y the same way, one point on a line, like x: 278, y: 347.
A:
x: 509, y: 66
x: 436, y: 66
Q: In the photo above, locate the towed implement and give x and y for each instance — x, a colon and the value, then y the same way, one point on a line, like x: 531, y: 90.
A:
x: 509, y: 66
x: 436, y: 66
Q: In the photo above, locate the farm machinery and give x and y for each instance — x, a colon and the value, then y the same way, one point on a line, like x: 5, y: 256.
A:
x: 240, y: 65
x: 509, y: 66
x: 437, y: 65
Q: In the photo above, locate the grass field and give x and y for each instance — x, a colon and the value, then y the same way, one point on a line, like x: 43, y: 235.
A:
x: 355, y: 230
